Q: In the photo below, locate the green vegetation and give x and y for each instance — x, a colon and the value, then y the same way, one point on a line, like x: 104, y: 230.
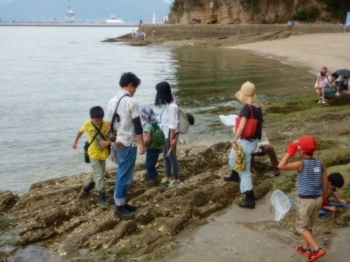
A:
x: 175, y: 6
x: 338, y: 8
x: 307, y: 14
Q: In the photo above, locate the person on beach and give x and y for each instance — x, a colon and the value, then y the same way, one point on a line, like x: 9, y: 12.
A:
x: 98, y: 151
x: 321, y: 81
x: 312, y: 184
x: 124, y: 108
x: 335, y: 180
x: 251, y: 109
x: 150, y: 126
x: 342, y: 83
x: 264, y: 148
x: 153, y: 32
x: 169, y: 121
x: 331, y: 85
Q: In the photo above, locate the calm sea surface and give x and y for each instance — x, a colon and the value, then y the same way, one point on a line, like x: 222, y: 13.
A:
x: 50, y: 77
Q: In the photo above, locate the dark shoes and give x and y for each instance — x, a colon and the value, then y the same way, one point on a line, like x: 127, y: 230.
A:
x: 234, y: 177
x: 123, y: 212
x: 89, y: 186
x: 276, y: 171
x: 249, y: 200
x: 101, y: 200
x: 131, y: 208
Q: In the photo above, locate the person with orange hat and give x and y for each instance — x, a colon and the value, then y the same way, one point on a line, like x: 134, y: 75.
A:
x: 312, y: 184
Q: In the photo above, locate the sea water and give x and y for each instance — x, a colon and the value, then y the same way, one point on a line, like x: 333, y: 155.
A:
x: 51, y: 76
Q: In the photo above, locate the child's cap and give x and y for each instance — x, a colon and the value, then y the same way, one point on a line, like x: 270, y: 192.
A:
x: 147, y: 115
x: 307, y: 144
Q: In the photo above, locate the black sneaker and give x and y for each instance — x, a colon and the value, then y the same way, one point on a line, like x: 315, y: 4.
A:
x: 101, y: 200
x: 89, y: 186
x: 131, y: 208
x: 123, y: 213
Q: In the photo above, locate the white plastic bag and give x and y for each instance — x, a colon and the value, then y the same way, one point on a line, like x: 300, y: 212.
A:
x: 229, y: 120
x: 281, y: 204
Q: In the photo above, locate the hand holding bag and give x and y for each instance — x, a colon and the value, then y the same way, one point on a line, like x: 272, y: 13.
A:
x: 250, y: 126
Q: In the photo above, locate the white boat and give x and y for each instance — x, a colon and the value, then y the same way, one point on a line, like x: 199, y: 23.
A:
x: 113, y: 20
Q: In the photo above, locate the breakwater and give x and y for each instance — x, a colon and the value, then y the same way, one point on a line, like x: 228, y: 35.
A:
x: 59, y: 24
x: 207, y: 31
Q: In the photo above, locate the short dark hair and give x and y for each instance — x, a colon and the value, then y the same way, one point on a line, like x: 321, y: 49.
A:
x: 163, y: 95
x: 336, y: 179
x: 97, y: 112
x: 335, y: 75
x: 190, y: 118
x: 129, y: 78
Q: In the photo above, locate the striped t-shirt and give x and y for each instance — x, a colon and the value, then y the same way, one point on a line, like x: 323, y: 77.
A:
x: 309, y: 179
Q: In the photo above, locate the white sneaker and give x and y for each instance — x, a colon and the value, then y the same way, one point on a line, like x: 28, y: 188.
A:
x: 319, y: 101
x: 337, y: 94
x: 323, y: 102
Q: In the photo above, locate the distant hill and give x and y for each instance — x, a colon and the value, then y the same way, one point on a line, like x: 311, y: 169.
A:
x: 83, y: 9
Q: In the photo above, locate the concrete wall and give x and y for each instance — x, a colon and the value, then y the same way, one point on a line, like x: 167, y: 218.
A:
x: 198, y: 31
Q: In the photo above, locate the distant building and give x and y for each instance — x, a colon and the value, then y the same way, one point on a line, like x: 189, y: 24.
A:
x: 69, y: 14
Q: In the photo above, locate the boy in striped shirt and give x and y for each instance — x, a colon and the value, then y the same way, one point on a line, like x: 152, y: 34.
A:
x: 312, y: 183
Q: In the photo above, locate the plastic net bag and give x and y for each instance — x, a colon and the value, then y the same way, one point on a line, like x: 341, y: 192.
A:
x: 281, y: 204
x: 229, y: 120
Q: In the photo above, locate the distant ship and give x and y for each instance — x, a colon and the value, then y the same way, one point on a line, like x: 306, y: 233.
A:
x: 113, y: 20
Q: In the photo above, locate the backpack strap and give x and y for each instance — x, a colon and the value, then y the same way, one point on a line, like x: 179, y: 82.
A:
x: 97, y: 132
x: 115, y: 112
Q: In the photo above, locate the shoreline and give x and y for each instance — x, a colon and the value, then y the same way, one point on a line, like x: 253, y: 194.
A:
x: 314, y: 51
x: 74, y: 223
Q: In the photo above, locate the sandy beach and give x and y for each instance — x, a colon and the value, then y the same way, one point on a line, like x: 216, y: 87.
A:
x: 313, y: 50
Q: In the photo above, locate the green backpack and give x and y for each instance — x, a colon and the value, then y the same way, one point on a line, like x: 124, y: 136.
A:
x: 158, y: 138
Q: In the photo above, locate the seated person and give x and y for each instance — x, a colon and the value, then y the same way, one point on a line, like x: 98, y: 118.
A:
x: 341, y: 84
x: 331, y: 86
x: 335, y: 180
x: 264, y: 148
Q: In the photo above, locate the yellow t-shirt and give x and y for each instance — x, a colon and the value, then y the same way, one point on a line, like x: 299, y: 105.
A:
x: 95, y: 150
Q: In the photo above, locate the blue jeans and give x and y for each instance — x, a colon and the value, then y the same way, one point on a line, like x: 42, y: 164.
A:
x: 152, y: 156
x: 126, y: 158
x: 246, y: 177
x: 170, y: 162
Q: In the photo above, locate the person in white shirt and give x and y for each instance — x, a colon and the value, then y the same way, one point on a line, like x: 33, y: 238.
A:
x: 169, y: 121
x: 124, y: 115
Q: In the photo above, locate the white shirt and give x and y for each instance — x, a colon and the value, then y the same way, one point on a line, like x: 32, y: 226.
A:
x: 128, y: 110
x: 169, y: 118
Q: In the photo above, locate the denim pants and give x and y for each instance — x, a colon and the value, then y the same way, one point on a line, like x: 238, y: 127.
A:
x: 152, y: 156
x: 246, y: 177
x: 170, y: 162
x: 126, y: 158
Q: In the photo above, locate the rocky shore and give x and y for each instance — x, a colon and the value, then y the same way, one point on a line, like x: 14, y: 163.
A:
x: 55, y: 215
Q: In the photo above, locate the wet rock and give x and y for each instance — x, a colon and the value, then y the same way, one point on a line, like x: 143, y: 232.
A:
x: 7, y: 201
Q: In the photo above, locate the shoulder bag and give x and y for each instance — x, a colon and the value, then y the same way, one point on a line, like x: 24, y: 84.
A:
x: 87, y: 144
x: 250, y: 126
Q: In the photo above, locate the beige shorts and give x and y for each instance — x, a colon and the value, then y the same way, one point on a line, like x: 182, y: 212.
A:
x: 307, y: 213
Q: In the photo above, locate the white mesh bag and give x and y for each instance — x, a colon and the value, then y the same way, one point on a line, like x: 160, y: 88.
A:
x: 281, y: 204
x: 229, y: 120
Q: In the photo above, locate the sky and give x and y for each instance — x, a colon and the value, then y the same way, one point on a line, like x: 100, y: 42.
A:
x: 35, y: 10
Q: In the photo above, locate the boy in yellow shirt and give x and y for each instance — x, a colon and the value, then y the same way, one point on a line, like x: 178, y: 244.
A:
x: 98, y: 151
